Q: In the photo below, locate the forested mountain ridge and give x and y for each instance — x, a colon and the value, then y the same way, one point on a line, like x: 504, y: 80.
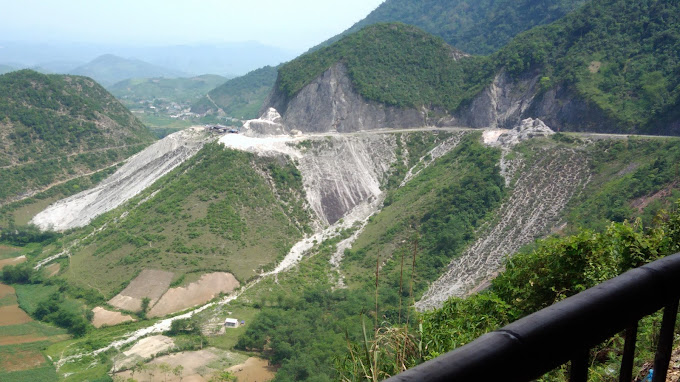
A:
x: 475, y: 27
x: 55, y: 127
x: 239, y: 97
x: 609, y: 66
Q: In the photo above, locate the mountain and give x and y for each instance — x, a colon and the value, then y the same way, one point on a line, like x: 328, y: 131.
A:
x: 475, y: 27
x: 226, y: 59
x: 109, y: 69
x: 6, y: 69
x: 589, y: 71
x: 58, y: 128
x: 240, y: 97
x: 182, y: 90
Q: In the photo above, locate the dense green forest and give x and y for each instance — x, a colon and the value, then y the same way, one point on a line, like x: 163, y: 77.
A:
x: 619, y: 56
x: 475, y: 27
x: 395, y: 64
x: 57, y: 127
x: 241, y: 97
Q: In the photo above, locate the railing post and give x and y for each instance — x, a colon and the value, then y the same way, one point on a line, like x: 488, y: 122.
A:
x: 579, y: 366
x: 665, y: 347
x: 626, y: 372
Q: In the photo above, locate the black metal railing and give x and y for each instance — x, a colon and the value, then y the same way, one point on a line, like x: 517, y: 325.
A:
x: 534, y: 345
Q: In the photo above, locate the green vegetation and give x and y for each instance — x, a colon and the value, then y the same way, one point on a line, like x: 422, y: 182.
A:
x: 180, y: 90
x: 442, y: 207
x: 618, y: 56
x: 475, y: 27
x: 28, y: 352
x: 58, y: 128
x: 215, y: 212
x: 241, y: 97
x: 395, y: 64
x: 636, y: 177
x: 109, y: 69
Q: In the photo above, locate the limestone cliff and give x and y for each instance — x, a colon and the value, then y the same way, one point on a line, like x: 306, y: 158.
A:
x: 330, y: 104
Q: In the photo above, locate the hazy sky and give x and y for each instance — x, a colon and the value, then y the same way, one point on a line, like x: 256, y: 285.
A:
x: 290, y: 24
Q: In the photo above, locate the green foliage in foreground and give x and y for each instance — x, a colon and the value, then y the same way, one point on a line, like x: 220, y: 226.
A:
x: 556, y: 269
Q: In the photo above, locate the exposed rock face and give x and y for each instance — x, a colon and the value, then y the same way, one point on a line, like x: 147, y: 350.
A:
x: 527, y: 129
x: 270, y: 123
x: 341, y: 172
x: 140, y: 171
x: 541, y: 193
x: 502, y: 104
x: 330, y: 104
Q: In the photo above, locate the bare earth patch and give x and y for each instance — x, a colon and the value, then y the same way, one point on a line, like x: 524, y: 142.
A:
x: 197, y: 293
x: 144, y: 349
x: 14, y: 340
x: 150, y: 283
x: 254, y: 370
x: 6, y: 290
x: 594, y: 66
x: 52, y: 269
x: 21, y: 360
x: 13, y: 315
x: 106, y: 317
x: 12, y: 261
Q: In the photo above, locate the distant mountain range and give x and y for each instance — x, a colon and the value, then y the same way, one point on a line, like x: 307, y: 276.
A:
x: 227, y: 59
x: 109, y: 69
x: 174, y: 89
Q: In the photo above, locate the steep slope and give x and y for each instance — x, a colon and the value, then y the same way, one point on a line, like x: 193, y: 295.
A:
x: 109, y: 69
x: 597, y: 69
x: 397, y: 69
x: 140, y: 171
x: 182, y: 90
x: 477, y: 27
x: 55, y: 128
x: 240, y: 97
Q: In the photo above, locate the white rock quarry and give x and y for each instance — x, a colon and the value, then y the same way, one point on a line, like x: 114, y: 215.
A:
x: 140, y: 171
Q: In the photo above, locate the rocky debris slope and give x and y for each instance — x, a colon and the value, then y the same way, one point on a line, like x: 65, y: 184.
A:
x: 344, y: 171
x: 339, y: 172
x: 331, y: 104
x: 140, y: 171
x: 533, y: 208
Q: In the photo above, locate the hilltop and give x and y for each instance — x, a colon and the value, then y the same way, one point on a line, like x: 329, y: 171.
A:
x: 239, y: 97
x: 477, y: 27
x: 597, y: 69
x: 181, y: 90
x: 56, y: 128
x: 109, y: 69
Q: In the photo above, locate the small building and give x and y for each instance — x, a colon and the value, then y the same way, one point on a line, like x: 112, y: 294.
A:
x: 231, y: 323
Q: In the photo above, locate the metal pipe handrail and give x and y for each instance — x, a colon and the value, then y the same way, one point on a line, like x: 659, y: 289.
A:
x: 536, y: 344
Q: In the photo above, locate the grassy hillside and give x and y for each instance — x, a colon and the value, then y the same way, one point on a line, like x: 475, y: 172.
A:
x: 475, y: 27
x: 181, y: 90
x: 55, y: 128
x: 215, y: 212
x: 241, y: 97
x: 618, y: 56
x: 109, y: 69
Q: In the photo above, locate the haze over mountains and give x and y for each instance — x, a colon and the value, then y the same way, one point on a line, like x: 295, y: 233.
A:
x: 391, y: 178
x: 227, y: 59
